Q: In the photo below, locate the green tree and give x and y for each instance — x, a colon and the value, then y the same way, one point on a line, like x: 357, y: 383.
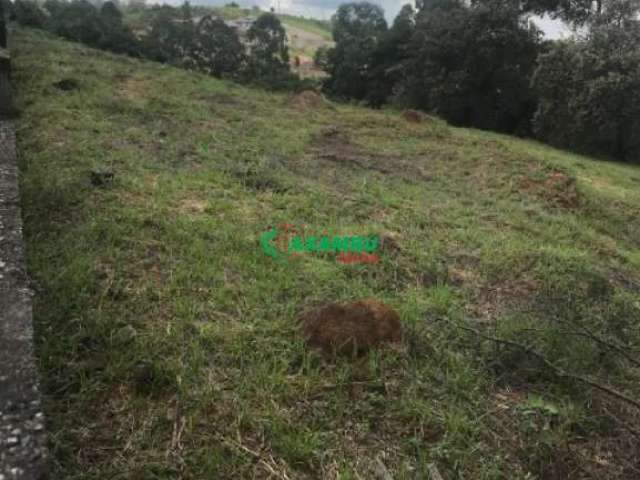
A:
x: 390, y: 58
x: 590, y: 87
x: 110, y: 13
x: 472, y: 64
x: 116, y: 36
x: 3, y: 25
x: 54, y: 8
x: 78, y: 21
x: 357, y: 30
x: 269, y: 52
x: 163, y: 42
x: 30, y: 14
x: 219, y: 52
x: 187, y: 33
x: 576, y: 12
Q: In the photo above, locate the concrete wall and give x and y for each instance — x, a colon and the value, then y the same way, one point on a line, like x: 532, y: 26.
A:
x: 22, y: 439
x: 5, y: 87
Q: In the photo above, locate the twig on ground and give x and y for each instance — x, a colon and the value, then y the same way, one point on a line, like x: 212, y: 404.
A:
x: 558, y: 371
x: 585, y: 332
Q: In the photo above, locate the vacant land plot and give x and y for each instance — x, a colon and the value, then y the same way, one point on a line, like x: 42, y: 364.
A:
x: 303, y: 44
x: 168, y: 340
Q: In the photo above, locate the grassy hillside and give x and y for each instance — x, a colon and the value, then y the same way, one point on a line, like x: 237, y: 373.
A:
x: 168, y: 339
x: 317, y: 27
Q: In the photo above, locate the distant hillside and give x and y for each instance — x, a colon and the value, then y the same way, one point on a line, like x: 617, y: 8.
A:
x: 305, y: 35
x: 168, y: 338
x: 319, y: 27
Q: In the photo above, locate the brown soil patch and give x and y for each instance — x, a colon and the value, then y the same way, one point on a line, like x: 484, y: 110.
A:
x: 352, y: 328
x: 193, y: 206
x: 335, y: 146
x: 557, y: 187
x: 134, y: 88
x: 415, y: 116
x: 308, y: 99
x: 493, y: 300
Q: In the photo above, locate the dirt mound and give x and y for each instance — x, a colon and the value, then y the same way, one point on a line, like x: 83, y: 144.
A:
x: 308, y: 99
x: 415, y: 116
x: 352, y: 328
x: 556, y: 187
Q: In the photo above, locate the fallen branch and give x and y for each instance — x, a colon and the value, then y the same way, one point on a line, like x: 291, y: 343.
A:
x: 585, y: 332
x: 558, y: 371
x: 592, y: 336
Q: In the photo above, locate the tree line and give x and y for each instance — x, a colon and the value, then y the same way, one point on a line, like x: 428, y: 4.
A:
x: 484, y: 64
x: 171, y: 35
x: 475, y: 63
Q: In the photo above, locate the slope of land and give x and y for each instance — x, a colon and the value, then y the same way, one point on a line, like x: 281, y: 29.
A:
x: 167, y: 338
x: 303, y: 44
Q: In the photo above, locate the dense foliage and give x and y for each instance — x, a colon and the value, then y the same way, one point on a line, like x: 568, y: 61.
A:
x: 218, y: 51
x: 357, y: 31
x: 590, y: 88
x: 171, y: 35
x: 268, y: 61
x: 470, y: 64
x: 484, y: 64
x: 481, y: 64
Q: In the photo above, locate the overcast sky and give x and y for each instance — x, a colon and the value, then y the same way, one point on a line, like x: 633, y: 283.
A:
x: 323, y: 9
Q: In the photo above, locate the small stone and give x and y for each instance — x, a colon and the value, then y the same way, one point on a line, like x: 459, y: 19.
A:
x: 12, y: 441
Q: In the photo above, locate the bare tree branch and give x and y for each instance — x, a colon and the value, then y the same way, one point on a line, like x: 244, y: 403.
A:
x: 558, y: 371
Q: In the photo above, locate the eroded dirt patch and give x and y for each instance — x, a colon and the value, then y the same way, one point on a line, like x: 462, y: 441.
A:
x: 335, y: 146
x: 554, y: 187
x: 492, y: 301
x: 416, y: 116
x: 133, y: 88
x: 308, y: 100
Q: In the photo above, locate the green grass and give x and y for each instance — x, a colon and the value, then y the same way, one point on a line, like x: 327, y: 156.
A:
x: 167, y: 339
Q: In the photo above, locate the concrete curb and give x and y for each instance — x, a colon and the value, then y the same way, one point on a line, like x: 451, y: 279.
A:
x: 22, y: 432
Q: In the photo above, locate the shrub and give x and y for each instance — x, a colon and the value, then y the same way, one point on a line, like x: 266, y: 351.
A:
x: 29, y: 13
x: 590, y: 91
